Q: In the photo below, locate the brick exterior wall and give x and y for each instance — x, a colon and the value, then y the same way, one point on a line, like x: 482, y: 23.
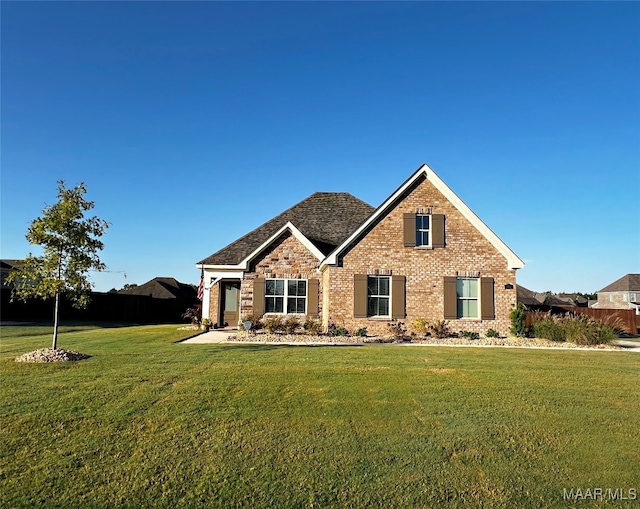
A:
x: 467, y: 250
x: 288, y: 259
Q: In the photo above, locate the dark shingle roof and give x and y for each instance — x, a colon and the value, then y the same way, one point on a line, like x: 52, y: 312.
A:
x: 326, y: 219
x: 163, y: 288
x: 628, y: 283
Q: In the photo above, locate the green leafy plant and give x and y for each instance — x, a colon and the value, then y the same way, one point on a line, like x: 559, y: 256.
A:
x: 70, y: 245
x: 361, y: 332
x: 549, y: 327
x: 467, y: 334
x: 492, y: 333
x: 518, y: 317
x: 334, y: 330
x: 440, y: 329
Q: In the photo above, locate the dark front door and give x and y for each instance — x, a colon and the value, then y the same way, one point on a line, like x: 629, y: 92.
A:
x: 230, y: 303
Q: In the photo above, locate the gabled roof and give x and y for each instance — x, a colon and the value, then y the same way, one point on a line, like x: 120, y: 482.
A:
x: 325, y: 219
x: 628, y: 283
x: 7, y: 263
x: 529, y: 297
x: 513, y: 262
x: 163, y: 288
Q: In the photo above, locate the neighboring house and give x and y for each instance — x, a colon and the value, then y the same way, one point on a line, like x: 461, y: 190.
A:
x: 422, y: 253
x: 621, y: 294
x: 163, y: 288
x: 7, y: 266
x: 530, y: 298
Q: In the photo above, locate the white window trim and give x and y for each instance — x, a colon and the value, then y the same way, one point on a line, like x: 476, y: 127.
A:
x: 387, y: 316
x: 285, y: 296
x: 429, y: 230
x: 478, y: 299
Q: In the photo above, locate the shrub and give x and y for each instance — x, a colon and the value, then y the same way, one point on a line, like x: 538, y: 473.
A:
x: 274, y: 324
x: 420, y: 326
x: 492, y: 333
x: 256, y: 321
x: 440, y: 329
x: 397, y: 330
x: 548, y: 327
x: 578, y: 329
x: 193, y: 315
x: 583, y: 330
x: 311, y: 326
x: 361, y: 332
x: 518, y: 321
x: 334, y: 330
x: 467, y: 334
x: 291, y: 323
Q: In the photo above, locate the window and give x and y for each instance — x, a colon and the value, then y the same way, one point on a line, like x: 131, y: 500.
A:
x: 467, y: 297
x: 378, y: 295
x: 423, y: 230
x: 293, y: 292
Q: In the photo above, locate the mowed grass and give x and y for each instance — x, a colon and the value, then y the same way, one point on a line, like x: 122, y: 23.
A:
x: 147, y: 422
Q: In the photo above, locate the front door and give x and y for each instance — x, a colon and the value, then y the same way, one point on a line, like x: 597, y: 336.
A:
x: 230, y: 301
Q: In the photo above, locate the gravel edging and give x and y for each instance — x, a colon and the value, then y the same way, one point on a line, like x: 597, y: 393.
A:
x: 243, y: 337
x: 51, y: 355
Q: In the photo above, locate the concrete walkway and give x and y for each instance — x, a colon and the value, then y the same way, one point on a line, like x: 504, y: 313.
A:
x: 213, y: 336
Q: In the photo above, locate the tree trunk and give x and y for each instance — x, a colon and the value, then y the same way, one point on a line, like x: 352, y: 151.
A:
x: 55, y: 321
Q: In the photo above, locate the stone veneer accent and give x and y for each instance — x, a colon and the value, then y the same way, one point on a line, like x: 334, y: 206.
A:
x: 382, y: 248
x: 287, y: 258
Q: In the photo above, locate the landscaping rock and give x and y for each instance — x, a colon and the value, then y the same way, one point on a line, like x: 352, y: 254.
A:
x: 51, y: 355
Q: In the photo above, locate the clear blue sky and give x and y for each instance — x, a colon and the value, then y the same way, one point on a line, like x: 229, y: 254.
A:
x: 192, y: 123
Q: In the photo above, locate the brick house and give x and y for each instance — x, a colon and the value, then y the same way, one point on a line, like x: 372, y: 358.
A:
x: 624, y: 293
x: 422, y: 253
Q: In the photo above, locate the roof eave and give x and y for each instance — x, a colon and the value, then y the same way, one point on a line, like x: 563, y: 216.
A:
x: 244, y: 264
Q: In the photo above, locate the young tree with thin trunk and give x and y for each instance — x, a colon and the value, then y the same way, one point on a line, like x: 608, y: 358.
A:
x: 70, y: 244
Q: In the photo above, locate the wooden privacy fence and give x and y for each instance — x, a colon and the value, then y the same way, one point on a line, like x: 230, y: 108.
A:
x: 629, y: 322
x: 104, y: 307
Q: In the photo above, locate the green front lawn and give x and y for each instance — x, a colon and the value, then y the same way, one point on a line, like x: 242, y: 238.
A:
x: 146, y: 422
